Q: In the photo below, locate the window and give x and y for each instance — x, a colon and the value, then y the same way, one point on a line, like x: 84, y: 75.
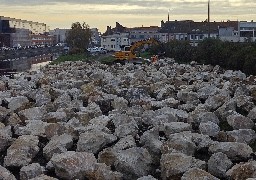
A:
x: 112, y: 39
x: 141, y: 36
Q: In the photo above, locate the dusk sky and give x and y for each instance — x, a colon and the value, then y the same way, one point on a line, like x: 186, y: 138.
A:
x: 130, y: 13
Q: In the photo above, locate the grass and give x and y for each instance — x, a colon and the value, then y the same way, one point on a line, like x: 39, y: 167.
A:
x: 146, y: 55
x: 73, y: 57
x: 106, y: 59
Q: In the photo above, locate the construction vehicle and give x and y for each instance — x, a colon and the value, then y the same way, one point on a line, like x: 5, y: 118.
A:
x: 129, y: 51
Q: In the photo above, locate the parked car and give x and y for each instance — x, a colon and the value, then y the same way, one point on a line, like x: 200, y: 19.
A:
x: 97, y: 50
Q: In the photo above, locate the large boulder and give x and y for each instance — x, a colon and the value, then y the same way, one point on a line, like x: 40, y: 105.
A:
x: 199, y: 174
x: 238, y: 121
x: 5, y: 137
x: 243, y: 170
x: 179, y: 142
x: 22, y: 151
x: 43, y: 177
x: 5, y: 174
x: 205, y: 117
x: 54, y: 117
x: 86, y: 114
x: 151, y: 141
x: 93, y: 141
x: 159, y: 117
x: 119, y: 103
x: 176, y: 127
x: 218, y: 164
x: 63, y: 101
x: 209, y: 128
x: 18, y: 103
x: 206, y: 91
x: 108, y: 156
x: 3, y: 113
x: 127, y: 129
x: 187, y: 96
x: 246, y: 136
x: 13, y: 120
x: 125, y: 143
x: 42, y: 97
x: 234, y: 150
x: 102, y: 171
x: 35, y: 113
x: 36, y: 128
x: 252, y: 114
x: 58, y: 145
x: 216, y: 101
x: 147, y: 178
x: 173, y: 165
x: 134, y: 163
x: 73, y: 165
x: 31, y: 171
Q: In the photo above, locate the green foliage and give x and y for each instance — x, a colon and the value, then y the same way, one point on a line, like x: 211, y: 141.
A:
x: 106, y: 59
x: 79, y: 37
x: 73, y: 57
x: 228, y: 55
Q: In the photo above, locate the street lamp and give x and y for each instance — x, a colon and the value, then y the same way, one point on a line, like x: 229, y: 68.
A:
x: 209, y: 19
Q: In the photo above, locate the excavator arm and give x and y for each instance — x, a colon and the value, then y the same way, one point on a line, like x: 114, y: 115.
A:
x: 130, y: 55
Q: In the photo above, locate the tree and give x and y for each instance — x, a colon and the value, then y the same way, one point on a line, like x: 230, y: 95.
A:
x: 79, y: 37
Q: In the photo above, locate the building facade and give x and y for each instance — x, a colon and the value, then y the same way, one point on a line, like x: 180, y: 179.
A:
x: 40, y: 39
x: 142, y: 33
x: 247, y: 31
x: 60, y: 35
x: 15, y: 32
x: 95, y: 37
x: 115, y: 42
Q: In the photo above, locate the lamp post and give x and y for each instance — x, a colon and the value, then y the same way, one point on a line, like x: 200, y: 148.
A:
x: 168, y: 25
x: 209, y: 33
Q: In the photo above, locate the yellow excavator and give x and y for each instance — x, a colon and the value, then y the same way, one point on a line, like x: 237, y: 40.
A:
x: 129, y: 52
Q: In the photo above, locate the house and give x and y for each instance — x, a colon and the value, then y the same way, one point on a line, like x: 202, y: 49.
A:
x: 194, y: 32
x: 141, y: 33
x: 247, y: 31
x: 115, y: 42
x: 229, y: 34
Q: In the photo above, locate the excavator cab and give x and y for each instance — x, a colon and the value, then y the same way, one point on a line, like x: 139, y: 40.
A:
x: 129, y: 51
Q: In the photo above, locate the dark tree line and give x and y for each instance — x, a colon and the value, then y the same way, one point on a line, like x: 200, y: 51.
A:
x: 229, y: 55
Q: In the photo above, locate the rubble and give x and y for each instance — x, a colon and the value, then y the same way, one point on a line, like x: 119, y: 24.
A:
x: 79, y: 120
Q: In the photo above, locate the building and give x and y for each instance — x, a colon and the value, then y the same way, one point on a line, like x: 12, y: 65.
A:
x: 41, y: 39
x: 247, y: 31
x: 115, y: 42
x: 14, y: 32
x: 59, y: 34
x: 21, y: 37
x: 141, y: 33
x: 229, y: 34
x: 95, y: 37
x: 194, y: 32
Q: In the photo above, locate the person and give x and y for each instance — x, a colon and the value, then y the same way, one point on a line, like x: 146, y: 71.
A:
x: 154, y: 59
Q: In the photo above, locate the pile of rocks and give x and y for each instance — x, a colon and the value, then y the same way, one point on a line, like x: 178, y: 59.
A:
x: 93, y: 121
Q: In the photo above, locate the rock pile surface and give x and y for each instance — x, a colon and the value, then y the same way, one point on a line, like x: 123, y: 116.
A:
x: 160, y: 121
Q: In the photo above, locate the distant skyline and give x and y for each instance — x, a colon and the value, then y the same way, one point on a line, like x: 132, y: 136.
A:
x: 130, y: 13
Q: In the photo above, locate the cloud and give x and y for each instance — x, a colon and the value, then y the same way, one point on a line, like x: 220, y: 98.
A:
x: 106, y: 12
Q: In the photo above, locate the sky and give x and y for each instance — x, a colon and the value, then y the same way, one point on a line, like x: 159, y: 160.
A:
x: 130, y: 13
